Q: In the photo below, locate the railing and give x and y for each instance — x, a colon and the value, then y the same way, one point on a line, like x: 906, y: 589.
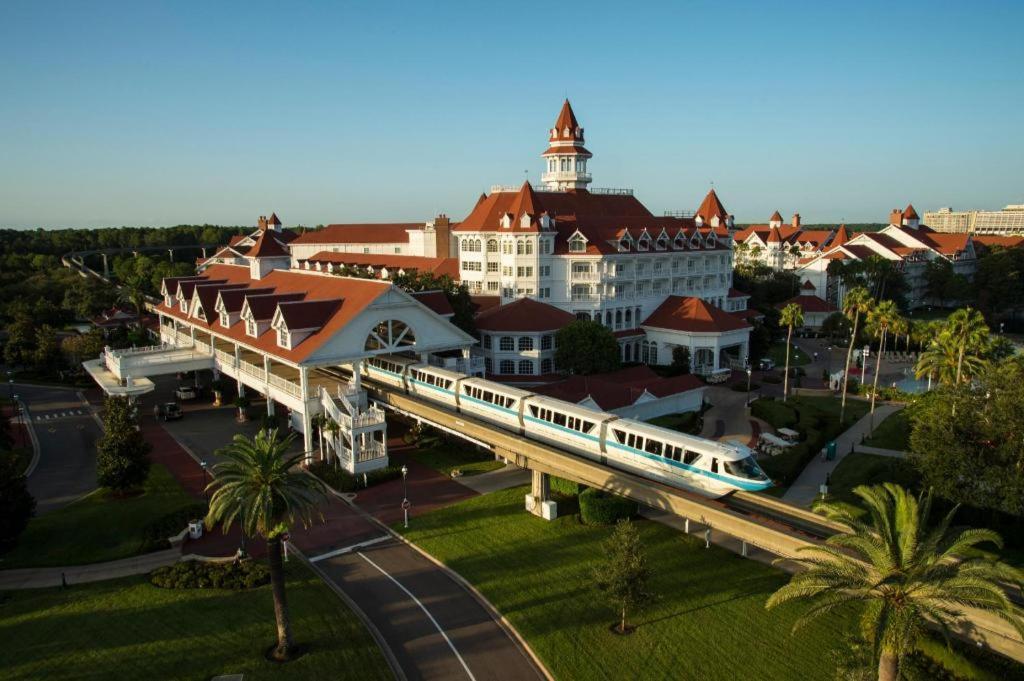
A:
x: 565, y: 175
x: 371, y: 417
x: 585, y: 276
x: 252, y: 369
x: 202, y: 347
x: 613, y: 191
x: 371, y: 451
x: 586, y: 297
x: 284, y: 384
x: 679, y: 213
x: 225, y: 357
x: 124, y: 352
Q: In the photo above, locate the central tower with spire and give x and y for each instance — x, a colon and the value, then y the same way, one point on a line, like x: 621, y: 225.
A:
x: 566, y: 158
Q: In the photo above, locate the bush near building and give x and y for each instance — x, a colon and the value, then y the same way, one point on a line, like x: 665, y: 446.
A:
x: 197, y: 574
x: 598, y: 507
x: 341, y: 480
x: 566, y: 487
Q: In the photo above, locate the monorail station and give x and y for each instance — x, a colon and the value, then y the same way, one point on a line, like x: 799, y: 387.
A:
x: 299, y: 338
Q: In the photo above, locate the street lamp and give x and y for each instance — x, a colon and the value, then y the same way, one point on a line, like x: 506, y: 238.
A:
x: 749, y: 372
x: 206, y: 493
x: 405, y: 495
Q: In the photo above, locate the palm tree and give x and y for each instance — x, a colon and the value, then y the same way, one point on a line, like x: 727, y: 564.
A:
x: 261, y: 486
x: 792, y: 315
x: 942, y: 358
x: 882, y: 319
x: 134, y: 294
x: 903, y: 572
x: 856, y: 302
x: 968, y: 330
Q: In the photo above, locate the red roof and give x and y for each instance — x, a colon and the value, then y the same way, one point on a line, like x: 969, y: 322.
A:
x: 566, y: 119
x: 841, y: 236
x: 620, y: 388
x: 208, y: 296
x: 687, y: 313
x: 909, y: 213
x: 233, y: 298
x: 436, y: 301
x: 577, y: 149
x: 408, y: 263
x: 262, y: 306
x: 993, y: 240
x: 809, y: 303
x: 308, y: 314
x: 358, y: 295
x: 524, y: 314
x: 736, y: 293
x: 711, y: 207
x: 483, y: 303
x: 366, y: 233
x: 267, y: 247
x: 808, y: 286
x: 773, y: 236
x: 776, y: 217
x: 525, y: 202
x: 273, y: 219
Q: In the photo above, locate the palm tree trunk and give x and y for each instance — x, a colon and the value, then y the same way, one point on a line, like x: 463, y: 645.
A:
x: 887, y: 667
x: 622, y: 622
x: 846, y: 369
x: 960, y: 361
x: 878, y: 369
x: 284, y: 624
x: 785, y: 380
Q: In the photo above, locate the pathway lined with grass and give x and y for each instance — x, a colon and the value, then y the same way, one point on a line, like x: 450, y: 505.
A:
x: 892, y: 433
x: 128, y: 628
x: 708, y: 622
x: 99, y: 527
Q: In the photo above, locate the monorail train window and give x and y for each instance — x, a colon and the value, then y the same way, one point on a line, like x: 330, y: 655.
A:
x: 653, y: 447
x: 672, y: 452
x: 634, y: 441
x: 691, y: 457
x: 619, y: 435
x: 559, y: 419
x: 714, y: 465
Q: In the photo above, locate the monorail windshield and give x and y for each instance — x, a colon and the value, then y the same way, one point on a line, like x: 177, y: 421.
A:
x: 745, y: 468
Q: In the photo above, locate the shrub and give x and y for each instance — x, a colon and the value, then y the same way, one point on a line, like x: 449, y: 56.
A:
x: 197, y: 574
x: 566, y: 487
x: 342, y: 481
x: 602, y: 508
x: 778, y: 414
x: 156, y: 533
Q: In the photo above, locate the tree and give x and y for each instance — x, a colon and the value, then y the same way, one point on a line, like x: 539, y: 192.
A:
x: 881, y: 320
x: 969, y: 332
x: 586, y: 347
x: 903, y: 573
x: 122, y: 454
x: 967, y: 440
x: 80, y: 347
x: 16, y: 504
x: 21, y: 335
x: 46, y: 353
x: 836, y: 325
x: 623, y: 576
x: 680, y: 360
x: 792, y: 316
x: 262, y: 487
x: 856, y: 302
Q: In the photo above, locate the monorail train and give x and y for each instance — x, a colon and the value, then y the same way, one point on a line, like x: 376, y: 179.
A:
x: 707, y: 467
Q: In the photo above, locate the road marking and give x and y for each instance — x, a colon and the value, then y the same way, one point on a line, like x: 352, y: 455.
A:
x: 347, y: 549
x: 426, y: 612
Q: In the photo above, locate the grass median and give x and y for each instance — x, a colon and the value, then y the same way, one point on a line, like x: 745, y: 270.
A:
x: 708, y: 621
x: 128, y: 628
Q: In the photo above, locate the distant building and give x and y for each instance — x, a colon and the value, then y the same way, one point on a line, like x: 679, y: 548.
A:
x: 1009, y: 220
x: 784, y: 247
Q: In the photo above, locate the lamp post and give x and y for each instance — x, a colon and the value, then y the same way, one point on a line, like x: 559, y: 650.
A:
x: 206, y: 492
x: 16, y: 412
x: 405, y: 495
x: 749, y: 372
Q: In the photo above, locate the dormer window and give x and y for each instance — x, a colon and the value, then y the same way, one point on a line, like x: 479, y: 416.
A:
x: 167, y: 300
x: 506, y: 220
x: 644, y: 244
x: 283, y: 338
x: 250, y: 327
x: 183, y: 305
x: 624, y: 245
x: 679, y: 243
x: 577, y: 244
x: 224, y: 319
x: 662, y: 243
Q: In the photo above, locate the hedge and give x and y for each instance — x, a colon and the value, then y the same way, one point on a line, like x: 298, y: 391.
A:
x: 601, y: 508
x: 156, y: 533
x: 778, y: 414
x: 197, y: 574
x: 343, y: 481
x: 566, y: 487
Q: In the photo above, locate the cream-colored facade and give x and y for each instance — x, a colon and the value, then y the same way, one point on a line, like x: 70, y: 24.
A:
x: 1009, y: 220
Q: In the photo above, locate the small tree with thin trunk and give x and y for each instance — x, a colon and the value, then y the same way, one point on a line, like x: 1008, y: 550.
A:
x: 623, y: 576
x: 792, y: 316
x: 857, y: 302
x: 122, y: 454
x: 262, y: 487
x: 881, y: 320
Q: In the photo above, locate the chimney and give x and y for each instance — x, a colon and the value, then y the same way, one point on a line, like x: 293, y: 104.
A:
x: 262, y: 222
x: 896, y: 217
x: 443, y: 236
x: 796, y: 220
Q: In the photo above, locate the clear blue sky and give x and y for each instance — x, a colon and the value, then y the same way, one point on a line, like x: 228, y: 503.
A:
x: 145, y: 113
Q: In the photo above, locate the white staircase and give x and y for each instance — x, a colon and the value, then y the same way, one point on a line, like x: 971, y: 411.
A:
x: 356, y: 432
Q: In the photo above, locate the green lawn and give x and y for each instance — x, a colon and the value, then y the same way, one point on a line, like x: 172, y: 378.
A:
x: 861, y: 468
x: 448, y: 456
x: 687, y: 422
x: 127, y: 628
x: 708, y: 622
x: 892, y: 433
x: 97, y: 528
x: 777, y: 353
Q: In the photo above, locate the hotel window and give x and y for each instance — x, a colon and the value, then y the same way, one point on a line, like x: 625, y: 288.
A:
x: 526, y: 367
x: 492, y: 246
x: 506, y: 247
x: 525, y: 343
x: 545, y: 366
x: 520, y: 248
x: 492, y: 286
x: 492, y: 267
x: 183, y: 306
x: 250, y: 327
x: 577, y: 245
x: 545, y: 343
x: 224, y: 319
x: 545, y: 270
x: 524, y: 271
x: 529, y: 247
x: 507, y: 366
x: 471, y: 266
x: 487, y: 341
x: 581, y: 268
x: 544, y: 292
x: 366, y: 249
x: 282, y: 337
x: 398, y: 249
x: 507, y: 271
x: 508, y: 344
x: 488, y: 365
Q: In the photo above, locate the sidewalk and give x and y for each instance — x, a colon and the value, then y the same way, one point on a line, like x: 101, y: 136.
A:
x: 894, y: 453
x: 805, y: 489
x: 37, y: 578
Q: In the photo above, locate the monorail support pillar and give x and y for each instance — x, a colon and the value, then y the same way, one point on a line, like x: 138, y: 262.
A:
x: 538, y: 501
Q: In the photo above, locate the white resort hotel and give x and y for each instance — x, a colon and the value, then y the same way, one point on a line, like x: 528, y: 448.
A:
x: 292, y: 316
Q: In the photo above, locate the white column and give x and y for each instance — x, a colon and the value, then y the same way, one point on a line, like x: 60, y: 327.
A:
x: 307, y: 421
x: 357, y: 378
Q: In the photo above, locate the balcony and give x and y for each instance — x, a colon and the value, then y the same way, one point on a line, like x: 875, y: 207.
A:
x: 585, y: 297
x: 585, y: 276
x: 564, y: 176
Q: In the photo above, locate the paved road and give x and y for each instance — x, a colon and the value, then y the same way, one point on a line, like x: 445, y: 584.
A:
x: 67, y: 435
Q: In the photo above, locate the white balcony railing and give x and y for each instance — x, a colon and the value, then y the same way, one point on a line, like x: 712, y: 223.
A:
x: 370, y: 452
x: 585, y: 276
x: 251, y: 369
x: 293, y: 389
x: 565, y: 176
x: 585, y: 297
x: 225, y: 358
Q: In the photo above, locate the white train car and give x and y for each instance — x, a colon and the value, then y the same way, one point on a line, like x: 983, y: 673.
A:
x: 493, y: 402
x: 565, y: 425
x: 433, y: 383
x: 389, y: 369
x: 705, y: 466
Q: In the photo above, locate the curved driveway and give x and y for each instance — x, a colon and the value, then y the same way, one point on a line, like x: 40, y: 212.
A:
x: 67, y: 434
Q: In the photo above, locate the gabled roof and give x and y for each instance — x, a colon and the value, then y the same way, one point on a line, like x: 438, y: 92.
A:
x: 407, y: 263
x: 566, y: 119
x: 773, y: 236
x: 524, y: 314
x: 185, y: 288
x: 736, y: 293
x: 436, y: 301
x: 808, y: 286
x: 273, y: 219
x: 303, y: 315
x: 267, y: 246
x: 262, y: 306
x: 909, y: 213
x: 525, y: 202
x: 841, y: 236
x: 208, y: 295
x: 691, y: 314
x: 776, y: 217
x: 809, y: 303
x: 232, y: 299
x: 618, y: 389
x: 170, y: 284
x: 711, y: 207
